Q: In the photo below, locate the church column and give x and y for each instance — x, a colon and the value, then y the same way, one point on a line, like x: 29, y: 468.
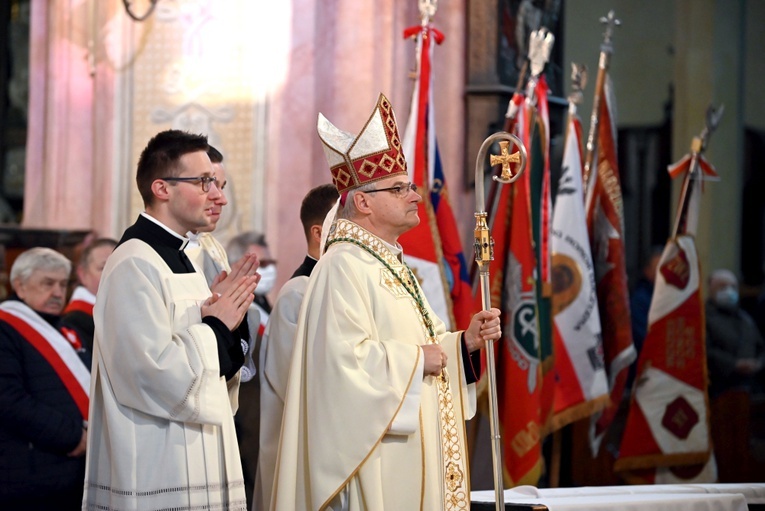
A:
x: 709, y: 68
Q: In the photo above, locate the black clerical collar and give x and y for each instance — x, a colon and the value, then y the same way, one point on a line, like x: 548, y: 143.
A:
x: 305, y: 268
x: 168, y: 244
x: 184, y: 240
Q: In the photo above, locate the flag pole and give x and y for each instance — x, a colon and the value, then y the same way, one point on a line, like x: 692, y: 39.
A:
x: 606, y: 50
x: 693, y: 165
x: 540, y: 46
x: 484, y: 254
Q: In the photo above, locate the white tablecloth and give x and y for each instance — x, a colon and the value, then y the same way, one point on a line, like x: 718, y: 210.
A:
x: 669, y: 497
x: 753, y: 492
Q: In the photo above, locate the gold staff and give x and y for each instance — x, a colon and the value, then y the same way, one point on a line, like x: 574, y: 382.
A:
x: 484, y: 254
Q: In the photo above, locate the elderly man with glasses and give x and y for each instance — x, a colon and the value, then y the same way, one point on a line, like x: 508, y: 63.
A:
x: 167, y: 360
x: 375, y: 410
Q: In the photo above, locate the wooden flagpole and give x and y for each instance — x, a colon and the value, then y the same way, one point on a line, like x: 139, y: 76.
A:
x: 606, y: 50
x: 698, y: 145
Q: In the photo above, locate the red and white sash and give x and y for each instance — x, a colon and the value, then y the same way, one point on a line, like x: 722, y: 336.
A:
x: 53, y: 346
x: 82, y: 300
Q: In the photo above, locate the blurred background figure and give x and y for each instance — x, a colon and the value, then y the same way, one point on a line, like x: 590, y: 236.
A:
x: 640, y: 304
x: 247, y: 419
x: 78, y: 314
x: 278, y: 340
x: 253, y: 241
x: 44, y: 388
x: 735, y: 347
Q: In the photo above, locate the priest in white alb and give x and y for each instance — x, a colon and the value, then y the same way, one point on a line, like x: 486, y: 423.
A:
x: 166, y: 361
x: 378, y: 391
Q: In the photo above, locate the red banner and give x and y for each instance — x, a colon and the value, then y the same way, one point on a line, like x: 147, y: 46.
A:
x: 605, y: 223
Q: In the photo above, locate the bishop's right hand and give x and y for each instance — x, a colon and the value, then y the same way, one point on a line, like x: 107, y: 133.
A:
x: 231, y: 305
x: 435, y: 359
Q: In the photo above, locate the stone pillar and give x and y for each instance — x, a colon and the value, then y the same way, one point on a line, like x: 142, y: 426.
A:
x: 709, y: 69
x: 484, y: 96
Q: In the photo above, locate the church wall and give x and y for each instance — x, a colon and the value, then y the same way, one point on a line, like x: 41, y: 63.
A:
x: 254, y: 77
x: 642, y: 62
x: 198, y: 67
x: 342, y: 55
x: 754, y: 65
x: 711, y: 52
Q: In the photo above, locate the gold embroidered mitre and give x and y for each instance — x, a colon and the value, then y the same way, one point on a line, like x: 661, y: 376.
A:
x: 374, y: 154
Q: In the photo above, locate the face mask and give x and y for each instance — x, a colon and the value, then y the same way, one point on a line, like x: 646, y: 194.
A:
x: 267, y: 279
x: 727, y: 298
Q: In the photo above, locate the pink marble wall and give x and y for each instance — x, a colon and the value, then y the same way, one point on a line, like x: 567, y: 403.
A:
x: 344, y: 53
x: 68, y: 172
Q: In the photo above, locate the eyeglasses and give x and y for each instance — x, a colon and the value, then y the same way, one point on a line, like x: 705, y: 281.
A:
x: 205, y: 180
x: 399, y: 191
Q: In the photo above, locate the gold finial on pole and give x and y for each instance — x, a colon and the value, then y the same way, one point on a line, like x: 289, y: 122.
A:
x: 696, y: 168
x: 606, y: 50
x: 427, y: 10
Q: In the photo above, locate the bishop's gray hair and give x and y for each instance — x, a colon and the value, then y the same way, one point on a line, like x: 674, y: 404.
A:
x: 38, y: 258
x: 348, y: 211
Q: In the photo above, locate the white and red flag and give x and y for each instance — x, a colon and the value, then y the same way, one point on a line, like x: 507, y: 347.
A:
x: 433, y: 249
x: 581, y: 384
x: 667, y: 435
x: 668, y: 421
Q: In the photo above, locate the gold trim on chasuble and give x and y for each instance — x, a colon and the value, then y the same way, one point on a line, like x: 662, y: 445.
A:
x: 399, y: 280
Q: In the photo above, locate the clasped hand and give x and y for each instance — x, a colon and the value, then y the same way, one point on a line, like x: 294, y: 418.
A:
x: 232, y: 293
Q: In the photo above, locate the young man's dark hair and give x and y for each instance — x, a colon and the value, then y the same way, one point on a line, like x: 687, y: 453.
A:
x: 215, y: 155
x: 161, y: 158
x: 316, y: 204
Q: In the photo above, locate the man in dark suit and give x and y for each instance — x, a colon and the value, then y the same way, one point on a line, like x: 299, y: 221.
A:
x: 78, y: 314
x: 316, y: 204
x: 276, y: 348
x: 44, y: 388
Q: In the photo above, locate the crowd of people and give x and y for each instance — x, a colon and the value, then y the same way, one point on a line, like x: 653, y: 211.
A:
x: 166, y: 379
x: 162, y: 380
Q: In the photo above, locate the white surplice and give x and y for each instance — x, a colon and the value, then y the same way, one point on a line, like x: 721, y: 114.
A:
x: 161, y: 425
x: 275, y: 356
x: 347, y: 431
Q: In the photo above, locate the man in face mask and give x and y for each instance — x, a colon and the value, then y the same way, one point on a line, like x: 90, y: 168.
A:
x: 255, y: 242
x: 735, y: 348
x: 247, y: 419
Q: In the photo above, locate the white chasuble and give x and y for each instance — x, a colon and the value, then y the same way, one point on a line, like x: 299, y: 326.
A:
x: 161, y: 432
x: 356, y: 358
